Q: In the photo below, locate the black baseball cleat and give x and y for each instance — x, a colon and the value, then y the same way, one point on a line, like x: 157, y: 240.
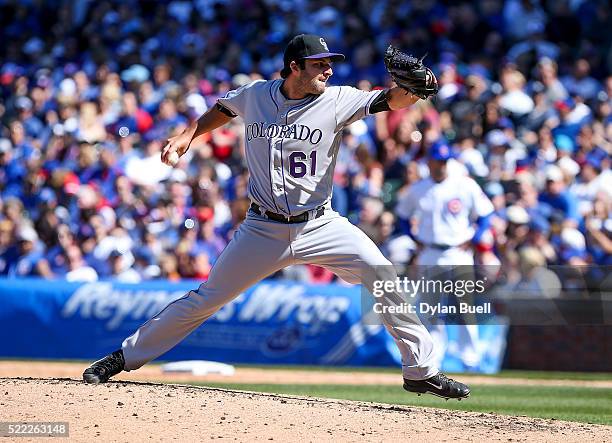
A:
x: 439, y: 385
x: 103, y: 369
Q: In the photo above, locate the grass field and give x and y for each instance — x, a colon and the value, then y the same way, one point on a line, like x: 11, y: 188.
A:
x: 506, y: 373
x: 580, y: 404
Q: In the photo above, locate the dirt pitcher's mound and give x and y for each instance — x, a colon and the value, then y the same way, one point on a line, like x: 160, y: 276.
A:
x: 131, y: 411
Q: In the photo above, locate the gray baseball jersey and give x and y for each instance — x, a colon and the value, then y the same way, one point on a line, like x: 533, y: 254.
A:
x: 291, y: 145
x: 291, y: 148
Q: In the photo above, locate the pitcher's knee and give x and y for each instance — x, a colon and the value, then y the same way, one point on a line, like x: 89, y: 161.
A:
x: 213, y: 299
x: 374, y: 258
x: 379, y: 271
x: 382, y: 270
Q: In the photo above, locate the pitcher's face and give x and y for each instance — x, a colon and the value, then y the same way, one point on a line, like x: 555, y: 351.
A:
x: 313, y: 78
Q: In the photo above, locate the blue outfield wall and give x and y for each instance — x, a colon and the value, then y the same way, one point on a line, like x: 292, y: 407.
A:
x: 273, y: 322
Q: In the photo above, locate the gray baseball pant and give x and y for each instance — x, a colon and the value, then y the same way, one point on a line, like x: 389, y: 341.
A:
x: 261, y: 247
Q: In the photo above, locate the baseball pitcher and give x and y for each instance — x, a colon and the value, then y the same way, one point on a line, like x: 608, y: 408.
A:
x: 293, y: 130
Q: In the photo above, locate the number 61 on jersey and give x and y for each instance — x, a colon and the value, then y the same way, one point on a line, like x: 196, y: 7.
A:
x: 298, y: 166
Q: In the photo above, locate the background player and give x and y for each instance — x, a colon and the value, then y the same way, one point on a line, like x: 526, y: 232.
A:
x: 439, y: 212
x: 293, y: 128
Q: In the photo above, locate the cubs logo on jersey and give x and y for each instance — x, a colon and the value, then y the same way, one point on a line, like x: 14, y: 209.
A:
x: 454, y: 206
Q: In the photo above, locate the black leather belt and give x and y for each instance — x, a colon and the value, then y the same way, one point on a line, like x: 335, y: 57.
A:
x: 442, y: 247
x: 301, y: 218
x: 439, y: 246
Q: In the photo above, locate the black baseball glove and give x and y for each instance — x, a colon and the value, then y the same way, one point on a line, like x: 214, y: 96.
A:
x: 410, y: 73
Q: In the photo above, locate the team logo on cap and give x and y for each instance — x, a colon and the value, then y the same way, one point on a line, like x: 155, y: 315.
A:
x: 323, y: 44
x: 454, y: 206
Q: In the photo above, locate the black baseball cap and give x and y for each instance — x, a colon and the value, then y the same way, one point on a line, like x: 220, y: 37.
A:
x: 307, y: 46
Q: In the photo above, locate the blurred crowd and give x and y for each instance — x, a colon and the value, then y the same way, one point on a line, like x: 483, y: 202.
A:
x: 90, y: 90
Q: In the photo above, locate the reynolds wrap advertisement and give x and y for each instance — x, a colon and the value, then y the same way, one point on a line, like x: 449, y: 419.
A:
x: 273, y: 322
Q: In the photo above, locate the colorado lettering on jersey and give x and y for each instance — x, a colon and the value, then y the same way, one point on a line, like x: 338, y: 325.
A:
x: 295, y: 132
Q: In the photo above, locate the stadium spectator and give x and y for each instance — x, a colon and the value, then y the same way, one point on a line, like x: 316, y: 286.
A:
x: 6, y: 235
x: 77, y: 269
x: 572, y: 247
x: 121, y: 269
x: 534, y: 279
x: 400, y: 248
x: 598, y: 226
x: 22, y: 259
x: 557, y: 196
x: 538, y: 237
x: 514, y: 100
x: 169, y: 267
x: 554, y: 90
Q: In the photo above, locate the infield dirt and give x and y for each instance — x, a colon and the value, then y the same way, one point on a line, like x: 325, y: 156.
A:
x: 124, y: 411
